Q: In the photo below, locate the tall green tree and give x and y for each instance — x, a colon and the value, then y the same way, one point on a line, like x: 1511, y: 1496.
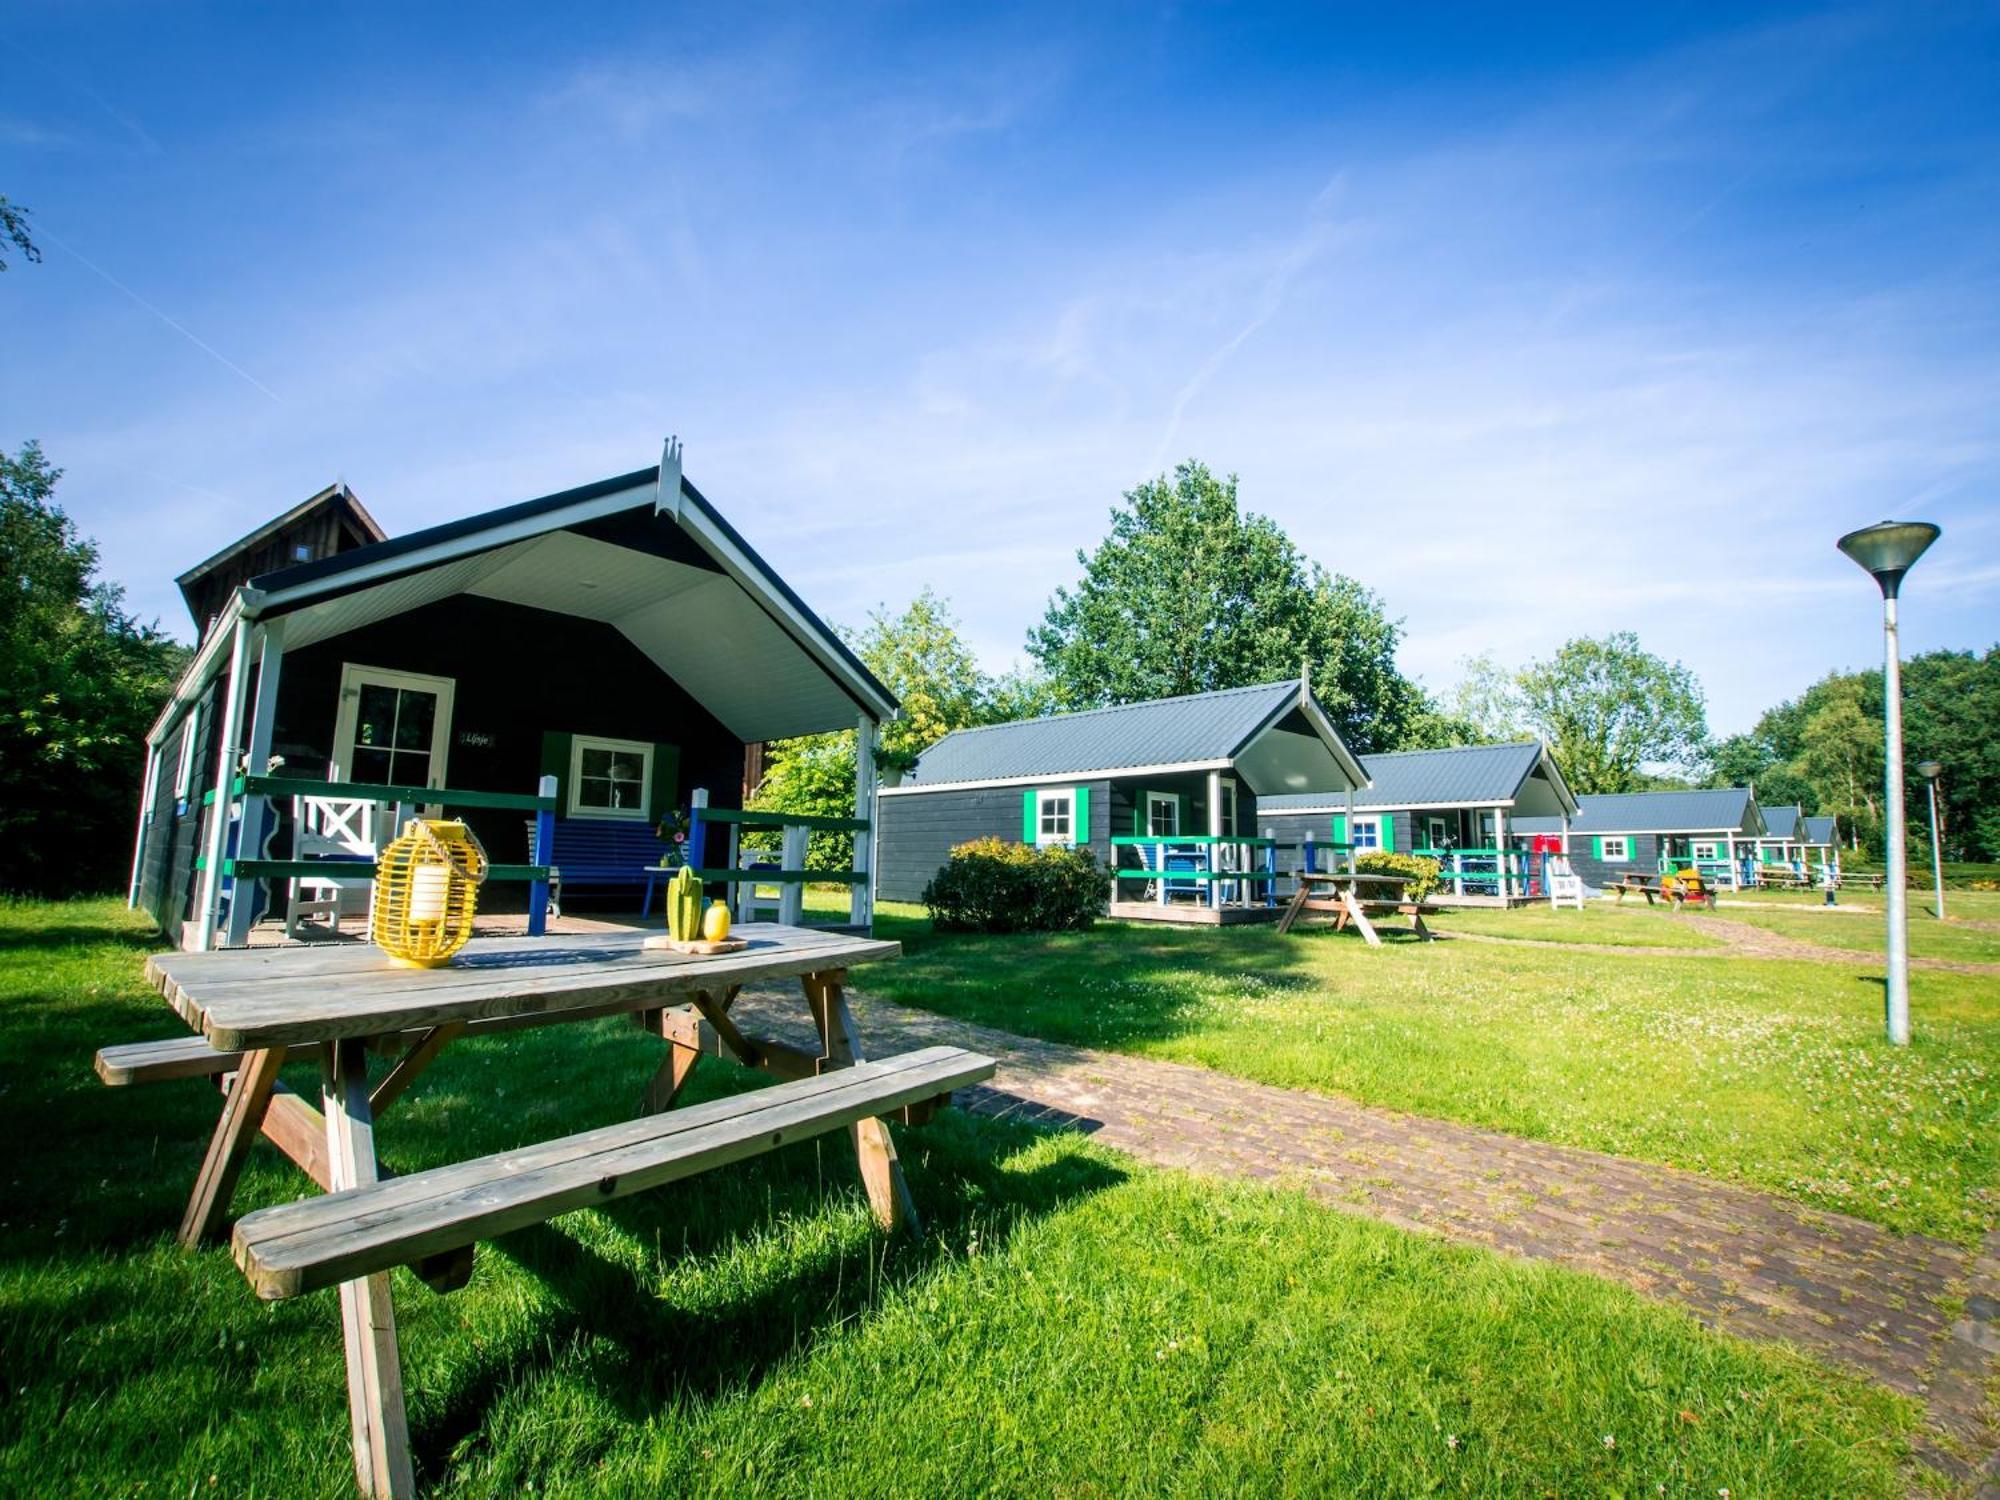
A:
x: 1190, y: 593
x: 1611, y: 709
x: 80, y: 680
x: 921, y: 658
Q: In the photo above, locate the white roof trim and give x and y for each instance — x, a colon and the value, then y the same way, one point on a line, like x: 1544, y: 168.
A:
x: 1323, y: 726
x: 465, y: 545
x: 1375, y: 807
x: 1055, y: 778
x: 200, y: 666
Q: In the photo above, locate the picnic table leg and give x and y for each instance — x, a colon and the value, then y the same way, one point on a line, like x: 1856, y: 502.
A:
x: 881, y: 1173
x: 1297, y: 905
x: 242, y: 1119
x: 367, y: 1315
x: 1359, y: 918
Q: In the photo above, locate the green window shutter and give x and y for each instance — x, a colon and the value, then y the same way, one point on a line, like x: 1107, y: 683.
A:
x: 1596, y: 848
x: 1080, y: 818
x: 666, y: 781
x: 1340, y: 828
x: 1139, y: 814
x: 555, y: 762
x: 1030, y: 826
x: 1387, y: 824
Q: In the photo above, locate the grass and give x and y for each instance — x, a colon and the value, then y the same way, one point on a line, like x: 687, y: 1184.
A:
x: 1770, y: 1073
x: 1069, y: 1323
x: 1598, y: 922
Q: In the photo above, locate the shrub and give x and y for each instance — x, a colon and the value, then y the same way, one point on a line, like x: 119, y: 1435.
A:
x: 1420, y: 872
x: 990, y: 885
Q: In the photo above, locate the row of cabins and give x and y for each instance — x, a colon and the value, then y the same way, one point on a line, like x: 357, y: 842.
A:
x: 608, y: 656
x: 1196, y: 803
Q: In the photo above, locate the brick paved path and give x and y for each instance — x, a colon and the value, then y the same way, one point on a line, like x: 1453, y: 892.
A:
x: 1752, y: 1264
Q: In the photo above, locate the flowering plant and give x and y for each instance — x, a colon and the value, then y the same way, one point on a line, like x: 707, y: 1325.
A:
x: 673, y: 830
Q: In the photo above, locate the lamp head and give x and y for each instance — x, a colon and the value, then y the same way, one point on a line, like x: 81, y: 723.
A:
x: 1930, y: 770
x: 1888, y: 549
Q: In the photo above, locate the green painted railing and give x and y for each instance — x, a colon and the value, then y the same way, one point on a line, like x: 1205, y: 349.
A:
x: 1194, y: 838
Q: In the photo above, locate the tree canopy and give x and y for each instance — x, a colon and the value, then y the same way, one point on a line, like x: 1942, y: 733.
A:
x: 1615, y: 714
x: 921, y: 658
x: 1824, y: 750
x: 14, y: 231
x: 1189, y: 593
x: 79, y: 681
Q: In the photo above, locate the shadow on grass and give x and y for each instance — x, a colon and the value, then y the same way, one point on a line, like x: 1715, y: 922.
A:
x: 643, y: 1346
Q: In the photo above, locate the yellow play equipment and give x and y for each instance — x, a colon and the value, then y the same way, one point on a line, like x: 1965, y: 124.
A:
x: 426, y: 887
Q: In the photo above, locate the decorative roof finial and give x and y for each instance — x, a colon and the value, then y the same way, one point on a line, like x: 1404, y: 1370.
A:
x: 669, y: 497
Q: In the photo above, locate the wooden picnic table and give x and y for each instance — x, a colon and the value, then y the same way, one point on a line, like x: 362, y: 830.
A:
x: 1346, y: 894
x: 257, y: 1007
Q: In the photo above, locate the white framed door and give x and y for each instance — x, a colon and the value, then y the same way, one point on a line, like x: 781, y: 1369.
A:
x: 1163, y: 814
x: 393, y: 728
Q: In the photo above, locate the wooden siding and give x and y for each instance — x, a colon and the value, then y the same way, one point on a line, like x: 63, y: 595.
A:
x: 916, y: 831
x: 323, y: 532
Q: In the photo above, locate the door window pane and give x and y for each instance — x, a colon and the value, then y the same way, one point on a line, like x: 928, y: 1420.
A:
x: 371, y: 766
x: 416, y: 712
x: 375, y: 721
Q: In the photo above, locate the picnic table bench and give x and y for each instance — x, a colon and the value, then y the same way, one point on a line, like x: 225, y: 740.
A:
x: 255, y: 1009
x: 1340, y: 893
x: 1677, y: 891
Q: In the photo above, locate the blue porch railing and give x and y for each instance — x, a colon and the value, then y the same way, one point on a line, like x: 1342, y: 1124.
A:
x: 1219, y: 870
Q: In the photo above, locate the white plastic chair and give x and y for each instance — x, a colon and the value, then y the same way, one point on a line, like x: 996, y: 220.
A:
x: 337, y: 830
x: 1564, y: 883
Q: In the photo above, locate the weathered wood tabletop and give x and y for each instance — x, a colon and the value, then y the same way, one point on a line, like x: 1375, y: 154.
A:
x: 247, y: 999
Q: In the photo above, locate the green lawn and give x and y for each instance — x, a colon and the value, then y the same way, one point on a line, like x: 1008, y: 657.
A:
x: 1770, y: 1073
x: 1069, y: 1323
x: 1639, y: 926
x: 1968, y: 941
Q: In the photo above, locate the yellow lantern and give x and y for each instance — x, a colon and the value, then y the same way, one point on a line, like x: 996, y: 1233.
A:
x: 426, y: 885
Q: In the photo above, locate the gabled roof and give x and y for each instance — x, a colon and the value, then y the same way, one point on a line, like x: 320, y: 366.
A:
x: 335, y: 496
x: 1706, y: 810
x: 1820, y: 830
x: 1782, y: 822
x: 1195, y: 732
x: 1461, y: 776
x: 643, y: 552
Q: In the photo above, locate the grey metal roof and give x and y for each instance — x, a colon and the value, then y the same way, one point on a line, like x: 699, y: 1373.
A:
x: 1820, y: 830
x: 1427, y: 778
x: 1707, y: 810
x: 1160, y: 732
x: 1782, y: 822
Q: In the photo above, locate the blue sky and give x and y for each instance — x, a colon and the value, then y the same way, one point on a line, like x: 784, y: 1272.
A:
x: 1539, y: 324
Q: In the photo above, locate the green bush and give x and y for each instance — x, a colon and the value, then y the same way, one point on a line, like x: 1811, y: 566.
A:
x: 1422, y: 873
x: 990, y: 885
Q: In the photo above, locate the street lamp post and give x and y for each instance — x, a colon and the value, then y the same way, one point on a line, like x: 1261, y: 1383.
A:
x: 1888, y: 550
x: 1930, y: 770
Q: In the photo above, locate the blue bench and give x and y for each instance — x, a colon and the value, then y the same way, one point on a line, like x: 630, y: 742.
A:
x: 603, y: 853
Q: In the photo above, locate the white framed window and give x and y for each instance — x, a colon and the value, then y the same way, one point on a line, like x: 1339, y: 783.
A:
x: 1707, y: 849
x: 184, y: 766
x: 1367, y: 833
x: 1055, y: 817
x: 1614, y: 849
x: 1163, y: 814
x: 610, y: 778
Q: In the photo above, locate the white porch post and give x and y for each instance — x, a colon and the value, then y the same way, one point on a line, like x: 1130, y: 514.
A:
x: 1729, y: 853
x: 861, y: 900
x: 270, y: 664
x: 209, y: 893
x: 1501, y: 861
x: 1349, y: 830
x: 1214, y: 832
x: 148, y: 785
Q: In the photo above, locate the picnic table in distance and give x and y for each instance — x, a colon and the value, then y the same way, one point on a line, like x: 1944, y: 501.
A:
x: 254, y: 1008
x: 1345, y: 894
